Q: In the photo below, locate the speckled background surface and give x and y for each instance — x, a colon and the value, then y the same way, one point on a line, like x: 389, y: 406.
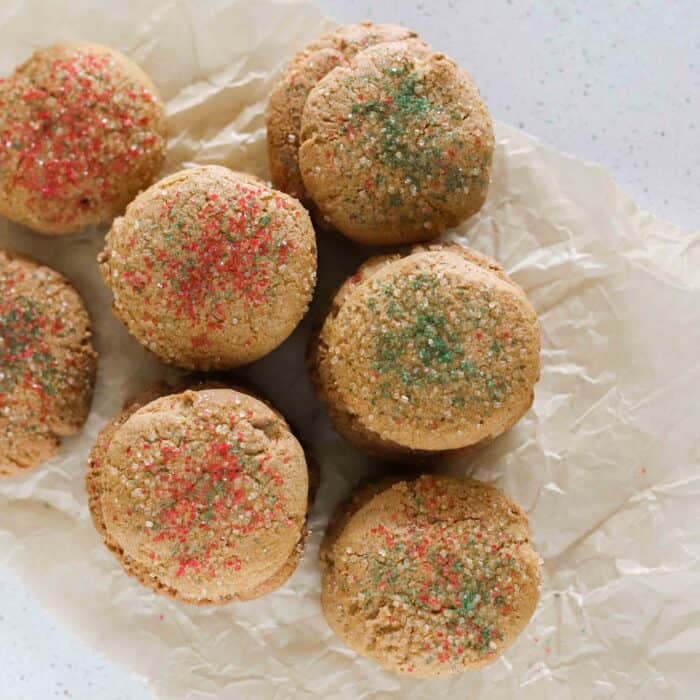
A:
x: 617, y: 83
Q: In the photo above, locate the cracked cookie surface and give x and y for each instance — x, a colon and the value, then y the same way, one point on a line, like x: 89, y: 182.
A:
x: 429, y: 577
x: 202, y: 495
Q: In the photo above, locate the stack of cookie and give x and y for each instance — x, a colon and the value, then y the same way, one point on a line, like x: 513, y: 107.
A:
x: 201, y: 490
x: 382, y: 138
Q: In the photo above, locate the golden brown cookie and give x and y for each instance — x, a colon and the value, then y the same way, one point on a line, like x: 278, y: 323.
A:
x: 210, y: 269
x: 301, y: 74
x: 82, y: 130
x: 201, y: 495
x: 396, y: 146
x: 435, y: 350
x: 430, y: 577
x: 47, y: 363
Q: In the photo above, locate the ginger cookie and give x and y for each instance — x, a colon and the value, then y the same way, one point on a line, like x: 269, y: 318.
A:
x: 435, y: 350
x: 289, y: 95
x: 396, y: 146
x: 201, y: 495
x: 211, y: 269
x: 47, y: 363
x: 82, y: 130
x: 430, y: 577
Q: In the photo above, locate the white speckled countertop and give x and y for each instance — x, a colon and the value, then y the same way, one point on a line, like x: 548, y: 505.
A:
x: 617, y: 83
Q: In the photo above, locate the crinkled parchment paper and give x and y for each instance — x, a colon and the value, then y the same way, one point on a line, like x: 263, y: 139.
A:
x: 605, y: 463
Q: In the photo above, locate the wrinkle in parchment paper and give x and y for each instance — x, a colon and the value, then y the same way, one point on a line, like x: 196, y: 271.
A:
x: 605, y: 463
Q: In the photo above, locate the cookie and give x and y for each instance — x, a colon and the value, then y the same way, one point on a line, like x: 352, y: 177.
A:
x: 202, y: 495
x: 435, y: 350
x: 396, y: 146
x: 430, y: 577
x: 82, y: 131
x: 47, y: 363
x: 211, y: 269
x: 301, y: 74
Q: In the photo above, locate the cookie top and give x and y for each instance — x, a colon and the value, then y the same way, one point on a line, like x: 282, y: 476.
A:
x: 83, y: 131
x: 396, y: 146
x: 47, y: 363
x: 436, y: 350
x: 210, y: 269
x: 301, y: 74
x: 202, y: 494
x: 430, y: 577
